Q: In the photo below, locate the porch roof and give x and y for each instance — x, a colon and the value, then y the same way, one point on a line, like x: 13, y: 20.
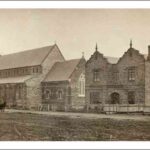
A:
x: 14, y: 79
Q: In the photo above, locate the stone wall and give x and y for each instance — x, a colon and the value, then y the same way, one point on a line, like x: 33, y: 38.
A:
x: 113, y: 78
x: 147, y: 83
x: 34, y: 92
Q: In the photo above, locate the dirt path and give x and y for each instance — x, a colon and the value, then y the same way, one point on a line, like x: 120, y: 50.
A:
x: 84, y: 115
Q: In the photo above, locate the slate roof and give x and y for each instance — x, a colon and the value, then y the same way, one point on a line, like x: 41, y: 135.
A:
x: 25, y: 58
x: 61, y: 71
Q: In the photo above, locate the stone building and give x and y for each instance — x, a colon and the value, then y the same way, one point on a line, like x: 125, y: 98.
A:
x: 122, y: 81
x: 21, y: 75
x: 64, y: 86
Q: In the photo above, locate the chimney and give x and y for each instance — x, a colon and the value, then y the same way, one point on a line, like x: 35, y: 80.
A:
x: 148, y: 58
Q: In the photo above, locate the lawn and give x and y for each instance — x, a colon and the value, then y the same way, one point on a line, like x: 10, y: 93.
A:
x: 34, y: 127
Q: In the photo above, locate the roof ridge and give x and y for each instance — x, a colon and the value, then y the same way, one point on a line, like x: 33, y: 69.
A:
x: 27, y: 50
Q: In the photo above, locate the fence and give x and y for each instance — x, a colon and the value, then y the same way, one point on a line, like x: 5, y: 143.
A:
x: 135, y: 108
x: 107, y: 108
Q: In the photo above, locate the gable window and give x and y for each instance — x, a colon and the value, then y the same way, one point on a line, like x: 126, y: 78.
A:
x: 81, y: 86
x: 131, y: 74
x: 131, y: 97
x: 96, y: 74
x: 60, y: 94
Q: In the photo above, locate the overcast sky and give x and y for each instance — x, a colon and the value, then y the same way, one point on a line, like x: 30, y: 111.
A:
x: 75, y: 31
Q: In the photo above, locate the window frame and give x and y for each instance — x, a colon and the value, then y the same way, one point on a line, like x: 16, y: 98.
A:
x: 58, y: 94
x: 96, y: 75
x: 131, y: 74
x: 47, y: 96
x: 81, y: 85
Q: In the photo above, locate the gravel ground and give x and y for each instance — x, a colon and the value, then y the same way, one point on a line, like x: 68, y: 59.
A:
x: 59, y: 126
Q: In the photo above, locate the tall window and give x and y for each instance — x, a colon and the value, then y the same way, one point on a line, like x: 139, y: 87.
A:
x: 60, y: 94
x: 131, y: 74
x: 82, y: 85
x: 96, y: 74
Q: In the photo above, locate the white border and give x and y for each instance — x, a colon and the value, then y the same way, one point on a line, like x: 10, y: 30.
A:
x: 74, y: 4
x: 75, y: 145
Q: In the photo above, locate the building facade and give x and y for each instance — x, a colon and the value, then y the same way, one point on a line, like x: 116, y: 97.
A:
x: 63, y: 89
x: 21, y: 75
x: 126, y: 81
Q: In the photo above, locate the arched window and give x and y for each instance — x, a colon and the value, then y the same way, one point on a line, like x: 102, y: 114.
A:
x: 60, y: 94
x: 115, y: 98
x: 81, y: 85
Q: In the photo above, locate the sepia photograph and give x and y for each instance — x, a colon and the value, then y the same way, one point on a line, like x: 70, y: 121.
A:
x: 74, y: 74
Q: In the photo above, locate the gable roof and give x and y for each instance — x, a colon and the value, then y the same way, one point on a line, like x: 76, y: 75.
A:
x: 61, y: 71
x: 25, y: 58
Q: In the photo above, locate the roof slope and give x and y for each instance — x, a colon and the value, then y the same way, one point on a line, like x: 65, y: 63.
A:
x: 21, y: 79
x: 26, y: 58
x: 61, y: 71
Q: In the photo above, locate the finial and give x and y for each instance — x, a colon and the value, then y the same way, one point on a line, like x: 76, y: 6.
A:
x: 96, y: 48
x: 82, y: 54
x: 131, y: 43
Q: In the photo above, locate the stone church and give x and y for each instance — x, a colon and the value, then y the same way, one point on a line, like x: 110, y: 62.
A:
x: 118, y: 81
x: 41, y: 76
x: 21, y: 75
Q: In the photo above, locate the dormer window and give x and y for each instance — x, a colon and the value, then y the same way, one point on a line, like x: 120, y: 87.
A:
x: 96, y: 75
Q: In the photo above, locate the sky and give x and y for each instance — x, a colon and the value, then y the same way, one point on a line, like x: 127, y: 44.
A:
x: 75, y: 30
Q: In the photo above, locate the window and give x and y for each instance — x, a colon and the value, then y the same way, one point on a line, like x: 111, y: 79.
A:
x: 115, y: 76
x: 115, y: 98
x: 47, y: 94
x: 37, y: 69
x: 96, y: 75
x: 60, y: 94
x: 33, y: 70
x: 95, y: 97
x: 131, y: 74
x: 81, y: 87
x: 131, y: 97
x: 18, y: 92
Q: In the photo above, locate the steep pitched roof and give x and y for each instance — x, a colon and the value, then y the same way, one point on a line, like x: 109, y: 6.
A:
x: 26, y: 58
x: 61, y: 71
